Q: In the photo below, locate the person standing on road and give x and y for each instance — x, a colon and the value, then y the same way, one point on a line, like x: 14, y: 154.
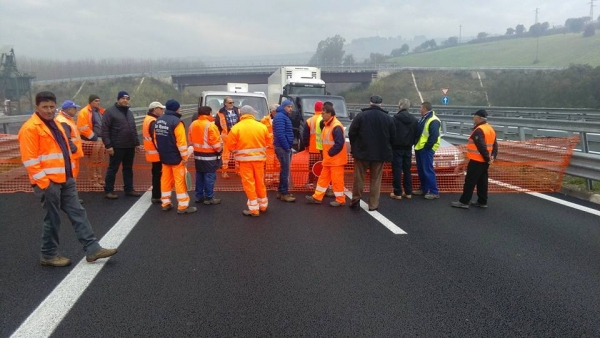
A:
x: 65, y: 117
x: 227, y: 117
x: 172, y: 148
x: 120, y: 137
x: 248, y: 140
x: 204, y: 136
x: 428, y: 142
x: 156, y: 110
x: 89, y: 123
x: 283, y: 140
x: 335, y: 156
x: 482, y: 150
x: 372, y: 134
x: 311, y: 137
x: 271, y: 165
x: 46, y: 155
x: 406, y: 136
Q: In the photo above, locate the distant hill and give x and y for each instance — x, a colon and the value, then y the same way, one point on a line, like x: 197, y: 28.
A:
x: 554, y: 50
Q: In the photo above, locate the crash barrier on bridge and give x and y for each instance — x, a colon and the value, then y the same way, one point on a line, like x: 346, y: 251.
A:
x: 534, y: 165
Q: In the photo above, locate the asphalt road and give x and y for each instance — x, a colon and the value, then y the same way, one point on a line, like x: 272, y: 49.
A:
x: 523, y: 267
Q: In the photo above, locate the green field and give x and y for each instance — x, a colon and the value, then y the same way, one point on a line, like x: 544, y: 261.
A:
x: 554, y: 51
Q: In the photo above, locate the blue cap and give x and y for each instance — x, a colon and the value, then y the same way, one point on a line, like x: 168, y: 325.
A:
x: 69, y: 104
x: 286, y: 103
x: 172, y: 105
x: 121, y: 94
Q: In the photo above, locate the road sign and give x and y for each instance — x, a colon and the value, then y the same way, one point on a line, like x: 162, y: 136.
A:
x: 445, y: 100
x: 445, y: 91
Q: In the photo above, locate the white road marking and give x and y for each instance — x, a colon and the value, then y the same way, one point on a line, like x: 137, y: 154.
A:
x: 379, y: 217
x: 48, y: 315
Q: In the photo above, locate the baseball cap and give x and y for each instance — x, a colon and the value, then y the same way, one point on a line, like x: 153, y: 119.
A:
x: 156, y: 104
x: 69, y: 104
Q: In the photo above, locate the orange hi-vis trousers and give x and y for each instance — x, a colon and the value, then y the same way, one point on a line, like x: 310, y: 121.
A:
x: 253, y: 181
x: 174, y: 175
x: 76, y: 168
x: 335, y: 175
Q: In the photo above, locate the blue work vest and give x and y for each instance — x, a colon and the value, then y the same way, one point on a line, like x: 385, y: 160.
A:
x: 164, y: 128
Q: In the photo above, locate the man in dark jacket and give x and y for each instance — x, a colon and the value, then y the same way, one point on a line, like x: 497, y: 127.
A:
x: 406, y: 136
x: 372, y: 134
x: 120, y: 138
x: 283, y: 139
x: 225, y: 119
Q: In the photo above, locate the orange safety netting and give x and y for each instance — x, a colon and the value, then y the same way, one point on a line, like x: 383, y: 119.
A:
x: 534, y: 165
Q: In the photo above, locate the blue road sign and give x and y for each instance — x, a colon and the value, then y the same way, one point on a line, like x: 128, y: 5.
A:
x: 445, y: 100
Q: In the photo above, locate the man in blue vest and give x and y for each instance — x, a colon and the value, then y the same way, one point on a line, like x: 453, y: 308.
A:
x: 428, y: 142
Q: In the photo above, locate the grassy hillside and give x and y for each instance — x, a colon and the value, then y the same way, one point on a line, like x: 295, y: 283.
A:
x: 554, y: 50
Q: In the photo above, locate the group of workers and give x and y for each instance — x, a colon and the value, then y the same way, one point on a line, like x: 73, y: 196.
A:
x: 51, y: 147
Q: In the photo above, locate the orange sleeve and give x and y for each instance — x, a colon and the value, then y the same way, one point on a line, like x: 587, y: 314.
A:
x: 29, y: 144
x: 83, y: 124
x: 181, y: 140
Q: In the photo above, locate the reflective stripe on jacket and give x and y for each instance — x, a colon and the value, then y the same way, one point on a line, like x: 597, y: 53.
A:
x: 63, y: 117
x: 248, y: 139
x: 149, y: 143
x: 328, y: 141
x: 204, y: 136
x: 85, y: 122
x: 490, y: 136
x: 425, y: 134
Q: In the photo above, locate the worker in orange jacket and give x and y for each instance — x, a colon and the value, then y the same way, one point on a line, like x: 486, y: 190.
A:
x: 155, y: 110
x: 335, y: 157
x: 45, y: 153
x: 65, y: 118
x: 226, y: 118
x: 89, y: 123
x: 248, y: 140
x: 208, y: 146
x: 272, y: 166
x: 169, y: 133
x: 311, y: 137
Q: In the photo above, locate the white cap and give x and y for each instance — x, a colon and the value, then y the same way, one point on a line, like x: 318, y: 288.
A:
x: 156, y: 105
x: 249, y: 110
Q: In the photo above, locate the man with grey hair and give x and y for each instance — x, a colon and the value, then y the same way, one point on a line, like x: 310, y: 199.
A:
x: 406, y: 137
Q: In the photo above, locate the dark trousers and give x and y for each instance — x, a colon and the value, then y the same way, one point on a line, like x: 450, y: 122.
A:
x: 156, y: 173
x: 360, y: 171
x: 401, y: 166
x: 125, y: 156
x: 285, y: 158
x: 477, y: 175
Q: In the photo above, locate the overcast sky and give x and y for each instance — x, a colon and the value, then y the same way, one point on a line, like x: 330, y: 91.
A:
x: 76, y: 29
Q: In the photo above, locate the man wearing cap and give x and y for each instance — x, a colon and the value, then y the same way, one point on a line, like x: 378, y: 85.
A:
x: 372, y: 134
x: 406, y: 137
x: 482, y: 150
x: 155, y: 110
x: 428, y: 142
x: 89, y: 123
x: 248, y: 141
x: 227, y: 117
x: 68, y: 110
x: 283, y: 139
x: 311, y: 137
x: 120, y: 138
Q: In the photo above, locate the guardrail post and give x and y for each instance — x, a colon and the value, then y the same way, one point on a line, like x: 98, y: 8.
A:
x: 534, y: 132
x: 585, y: 147
x: 444, y: 127
x: 5, y: 128
x: 522, y: 133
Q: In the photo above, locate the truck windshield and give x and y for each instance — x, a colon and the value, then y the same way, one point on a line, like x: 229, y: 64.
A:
x: 303, y: 90
x: 256, y: 102
x: 338, y: 104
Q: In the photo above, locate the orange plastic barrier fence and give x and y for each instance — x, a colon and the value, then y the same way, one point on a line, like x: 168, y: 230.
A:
x: 534, y: 165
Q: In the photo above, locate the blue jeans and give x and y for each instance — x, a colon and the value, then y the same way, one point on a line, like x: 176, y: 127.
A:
x: 425, y: 170
x: 401, y: 166
x: 205, y: 185
x: 63, y: 196
x: 285, y: 159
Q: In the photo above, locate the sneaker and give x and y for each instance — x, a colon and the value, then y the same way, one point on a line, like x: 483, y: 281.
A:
x: 167, y: 207
x: 394, y: 196
x: 457, y: 204
x: 133, y: 193
x: 111, y: 196
x: 155, y: 200
x: 249, y: 213
x: 56, y: 261
x: 288, y: 198
x: 418, y: 192
x: 209, y: 201
x: 477, y: 204
x: 336, y: 204
x: 187, y: 210
x: 311, y: 200
x: 102, y: 253
x: 431, y: 196
x: 407, y: 196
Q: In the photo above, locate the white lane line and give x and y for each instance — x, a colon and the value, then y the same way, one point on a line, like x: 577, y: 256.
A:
x: 379, y: 217
x: 48, y: 315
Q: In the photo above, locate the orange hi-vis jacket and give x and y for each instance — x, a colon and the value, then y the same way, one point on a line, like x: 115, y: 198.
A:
x: 249, y: 139
x: 204, y: 135
x: 85, y: 122
x: 490, y: 137
x: 63, y: 117
x: 149, y: 143
x: 313, y: 124
x: 268, y: 122
x: 340, y: 158
x: 40, y: 153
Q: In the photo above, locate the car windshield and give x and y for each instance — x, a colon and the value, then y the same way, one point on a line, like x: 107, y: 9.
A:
x: 256, y: 102
x: 338, y: 104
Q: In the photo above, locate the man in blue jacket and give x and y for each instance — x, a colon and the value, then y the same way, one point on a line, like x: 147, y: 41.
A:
x: 283, y: 139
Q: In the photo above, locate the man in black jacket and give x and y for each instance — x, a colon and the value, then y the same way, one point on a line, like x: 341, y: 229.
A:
x: 406, y: 136
x: 372, y: 134
x: 120, y: 138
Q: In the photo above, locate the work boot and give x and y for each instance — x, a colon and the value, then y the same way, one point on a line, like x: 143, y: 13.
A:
x: 288, y: 198
x: 394, y: 196
x: 111, y: 195
x: 187, y: 210
x: 209, y: 201
x: 336, y: 204
x: 458, y: 204
x: 200, y: 200
x: 56, y: 261
x: 102, y: 253
x: 312, y: 200
x: 355, y: 205
x: 155, y: 200
x: 249, y: 213
x: 133, y: 193
x: 167, y: 207
x: 418, y: 192
x: 479, y: 205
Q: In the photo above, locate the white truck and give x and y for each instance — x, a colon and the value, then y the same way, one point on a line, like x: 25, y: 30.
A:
x: 215, y: 99
x: 295, y: 80
x: 237, y: 87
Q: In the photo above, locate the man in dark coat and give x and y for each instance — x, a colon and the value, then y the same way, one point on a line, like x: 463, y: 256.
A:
x: 407, y: 130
